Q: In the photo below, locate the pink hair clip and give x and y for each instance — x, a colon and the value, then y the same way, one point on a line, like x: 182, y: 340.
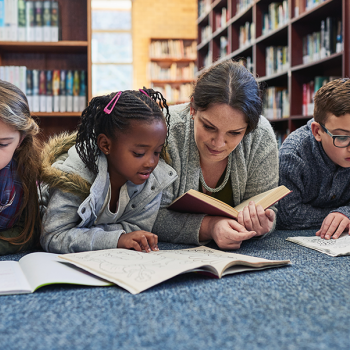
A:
x: 116, y: 98
x: 144, y: 92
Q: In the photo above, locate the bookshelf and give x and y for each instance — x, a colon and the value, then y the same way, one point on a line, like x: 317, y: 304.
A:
x: 284, y: 45
x: 172, y: 68
x: 71, y: 52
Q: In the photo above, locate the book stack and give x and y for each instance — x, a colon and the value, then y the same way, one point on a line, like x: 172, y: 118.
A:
x: 49, y: 90
x: 277, y: 60
x: 172, y: 71
x: 173, y: 49
x: 309, y: 91
x: 221, y: 18
x: 175, y: 94
x: 277, y: 16
x: 26, y: 20
x: 301, y: 6
x: 242, y: 5
x: 246, y: 34
x: 203, y: 7
x: 327, y: 41
x: 276, y: 103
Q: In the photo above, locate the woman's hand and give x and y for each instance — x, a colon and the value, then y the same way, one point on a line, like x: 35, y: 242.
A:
x: 254, y: 218
x: 227, y: 233
x: 138, y: 240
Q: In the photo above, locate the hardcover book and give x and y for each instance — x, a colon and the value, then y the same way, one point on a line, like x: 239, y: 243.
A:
x: 196, y: 202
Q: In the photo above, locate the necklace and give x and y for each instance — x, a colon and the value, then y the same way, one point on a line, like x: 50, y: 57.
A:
x: 227, y: 175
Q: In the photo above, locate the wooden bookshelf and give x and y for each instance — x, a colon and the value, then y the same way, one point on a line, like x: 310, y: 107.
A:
x: 290, y: 34
x: 173, y: 67
x: 71, y: 52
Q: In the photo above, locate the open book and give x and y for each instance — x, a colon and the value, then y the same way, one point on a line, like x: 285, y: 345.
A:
x: 36, y: 270
x: 332, y: 247
x: 196, y: 202
x: 137, y: 271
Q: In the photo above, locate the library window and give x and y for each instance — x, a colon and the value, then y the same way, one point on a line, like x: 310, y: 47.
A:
x: 111, y: 46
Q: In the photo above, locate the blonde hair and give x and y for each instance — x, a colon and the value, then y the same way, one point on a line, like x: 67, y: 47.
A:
x: 14, y: 111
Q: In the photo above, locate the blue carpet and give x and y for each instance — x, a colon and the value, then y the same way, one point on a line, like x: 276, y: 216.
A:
x: 303, y: 306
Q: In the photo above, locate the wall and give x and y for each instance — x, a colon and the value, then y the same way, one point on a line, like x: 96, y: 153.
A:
x: 159, y: 19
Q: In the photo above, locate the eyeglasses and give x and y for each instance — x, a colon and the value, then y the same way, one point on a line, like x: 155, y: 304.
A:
x: 340, y: 141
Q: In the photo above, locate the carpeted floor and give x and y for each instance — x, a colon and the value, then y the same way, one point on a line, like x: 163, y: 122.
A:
x: 302, y: 306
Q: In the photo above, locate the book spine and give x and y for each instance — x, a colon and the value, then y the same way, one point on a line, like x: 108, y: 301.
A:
x: 11, y: 11
x: 42, y: 90
x: 63, y: 97
x: 54, y: 21
x: 76, y: 91
x: 21, y: 32
x: 82, y: 93
x: 2, y: 20
x: 69, y: 90
x: 38, y: 10
x: 30, y: 20
x: 49, y: 99
x: 47, y: 20
x: 36, y: 103
x: 29, y: 88
x: 56, y: 90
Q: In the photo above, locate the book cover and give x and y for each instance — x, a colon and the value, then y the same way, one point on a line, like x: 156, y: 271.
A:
x: 36, y: 101
x: 49, y: 94
x: 56, y: 90
x: 47, y: 20
x: 196, y: 202
x: 69, y: 90
x: 138, y: 271
x: 42, y: 90
x: 54, y: 21
x: 63, y: 97
x: 38, y: 29
x: 21, y: 33
x: 30, y: 20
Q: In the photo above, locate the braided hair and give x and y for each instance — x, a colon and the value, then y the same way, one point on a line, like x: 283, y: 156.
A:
x: 132, y: 105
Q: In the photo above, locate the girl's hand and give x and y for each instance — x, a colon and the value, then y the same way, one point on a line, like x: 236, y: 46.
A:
x: 333, y: 226
x: 139, y: 240
x: 254, y: 218
x: 227, y: 233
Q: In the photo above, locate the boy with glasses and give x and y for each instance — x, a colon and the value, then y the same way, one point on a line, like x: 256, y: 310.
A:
x: 315, y: 165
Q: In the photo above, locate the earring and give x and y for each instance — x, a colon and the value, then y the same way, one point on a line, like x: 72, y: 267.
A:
x: 107, y: 153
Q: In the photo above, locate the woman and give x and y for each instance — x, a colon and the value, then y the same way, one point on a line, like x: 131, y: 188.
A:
x: 220, y: 145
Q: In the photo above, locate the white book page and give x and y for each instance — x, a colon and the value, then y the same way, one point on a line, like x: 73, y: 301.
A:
x: 12, y: 279
x: 332, y: 247
x: 45, y: 268
x: 137, y: 271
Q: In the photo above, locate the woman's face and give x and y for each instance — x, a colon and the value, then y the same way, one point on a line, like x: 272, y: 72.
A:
x: 218, y: 131
x: 9, y: 140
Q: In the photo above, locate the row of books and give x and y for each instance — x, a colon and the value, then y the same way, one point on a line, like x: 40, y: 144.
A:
x: 276, y: 103
x: 221, y: 18
x: 176, y: 71
x: 327, y: 41
x: 175, y: 94
x: 276, y: 60
x: 223, y: 46
x: 277, y: 16
x: 206, y: 33
x: 301, y: 6
x: 26, y: 20
x: 309, y: 91
x: 173, y: 49
x: 49, y: 90
x: 208, y: 59
x: 242, y: 5
x: 203, y: 7
x: 246, y: 34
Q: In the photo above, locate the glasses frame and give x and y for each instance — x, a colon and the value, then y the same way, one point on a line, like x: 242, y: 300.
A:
x: 334, y: 136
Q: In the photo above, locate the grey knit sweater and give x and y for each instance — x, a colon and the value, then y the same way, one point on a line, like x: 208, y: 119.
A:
x: 319, y: 186
x: 254, y: 170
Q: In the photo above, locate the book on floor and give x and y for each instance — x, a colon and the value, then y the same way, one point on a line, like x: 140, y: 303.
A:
x: 332, y: 247
x: 138, y: 271
x: 39, y: 269
x: 196, y: 202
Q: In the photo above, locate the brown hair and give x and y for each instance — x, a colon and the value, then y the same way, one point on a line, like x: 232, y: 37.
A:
x: 332, y: 98
x: 229, y: 83
x: 14, y: 111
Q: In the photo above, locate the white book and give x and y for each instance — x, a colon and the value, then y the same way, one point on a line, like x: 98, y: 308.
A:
x: 69, y: 103
x: 38, y: 29
x: 16, y: 76
x: 2, y: 20
x: 39, y: 269
x: 82, y: 103
x: 30, y: 20
x: 21, y: 20
x: 47, y: 20
x: 23, y: 78
x: 43, y: 102
x: 76, y: 104
x: 49, y: 104
x: 14, y: 21
x: 7, y: 22
x: 36, y: 101
x: 54, y: 21
x: 56, y: 103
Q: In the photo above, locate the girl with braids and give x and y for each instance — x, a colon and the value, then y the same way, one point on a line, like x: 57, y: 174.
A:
x: 103, y: 183
x: 19, y: 172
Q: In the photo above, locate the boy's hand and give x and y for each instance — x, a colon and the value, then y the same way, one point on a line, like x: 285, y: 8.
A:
x: 333, y: 226
x: 138, y: 240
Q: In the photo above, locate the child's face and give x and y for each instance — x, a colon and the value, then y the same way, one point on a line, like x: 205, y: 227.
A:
x: 9, y: 141
x: 336, y: 126
x: 133, y: 154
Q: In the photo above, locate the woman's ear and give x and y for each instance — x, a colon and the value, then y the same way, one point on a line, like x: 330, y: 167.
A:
x: 316, y: 131
x: 104, y: 143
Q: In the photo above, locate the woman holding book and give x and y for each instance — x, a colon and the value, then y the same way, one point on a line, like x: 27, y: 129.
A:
x: 219, y: 144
